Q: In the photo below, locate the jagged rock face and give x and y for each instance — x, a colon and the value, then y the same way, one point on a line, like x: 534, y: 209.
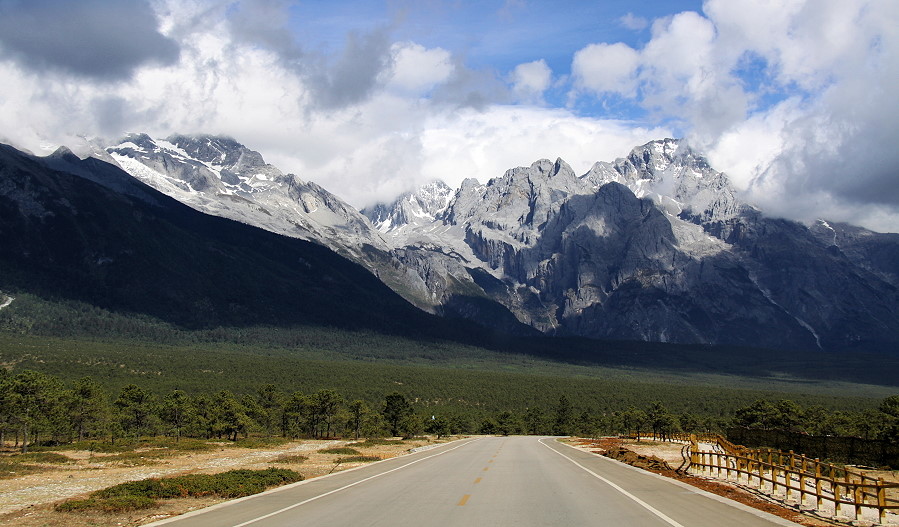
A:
x: 220, y: 176
x: 653, y: 246
x: 872, y: 251
x: 74, y: 239
x: 656, y: 246
x: 420, y: 206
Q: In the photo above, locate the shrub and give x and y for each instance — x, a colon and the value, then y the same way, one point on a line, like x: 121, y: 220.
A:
x: 359, y: 459
x: 343, y: 450
x: 290, y: 458
x: 116, y: 504
x: 40, y: 457
x: 376, y: 442
x: 142, y: 494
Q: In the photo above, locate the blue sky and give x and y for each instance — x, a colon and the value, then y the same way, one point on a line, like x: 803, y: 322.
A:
x: 496, y: 36
x: 793, y: 99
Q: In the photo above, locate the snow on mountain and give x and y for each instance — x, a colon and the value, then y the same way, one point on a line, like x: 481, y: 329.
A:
x: 220, y: 176
x: 652, y: 246
x: 418, y: 207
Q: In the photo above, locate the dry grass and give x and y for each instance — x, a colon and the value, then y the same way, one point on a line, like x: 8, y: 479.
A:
x: 28, y: 500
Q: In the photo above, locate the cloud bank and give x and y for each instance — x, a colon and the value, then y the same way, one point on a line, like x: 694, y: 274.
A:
x: 794, y: 100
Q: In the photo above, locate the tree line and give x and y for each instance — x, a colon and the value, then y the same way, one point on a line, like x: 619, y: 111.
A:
x: 40, y: 408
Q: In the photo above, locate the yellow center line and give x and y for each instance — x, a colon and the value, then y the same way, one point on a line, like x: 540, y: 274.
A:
x: 491, y: 461
x: 464, y: 500
x: 477, y: 480
x: 486, y: 469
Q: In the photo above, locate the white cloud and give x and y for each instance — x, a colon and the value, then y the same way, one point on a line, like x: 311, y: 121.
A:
x: 794, y: 99
x: 811, y: 133
x: 531, y: 79
x: 485, y: 144
x: 603, y: 67
x: 417, y: 69
x: 634, y: 22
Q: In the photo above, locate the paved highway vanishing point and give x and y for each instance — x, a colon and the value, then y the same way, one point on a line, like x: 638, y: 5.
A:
x: 491, y: 481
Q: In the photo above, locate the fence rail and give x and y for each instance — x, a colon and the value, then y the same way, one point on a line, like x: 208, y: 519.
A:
x: 793, y: 478
x: 805, y: 479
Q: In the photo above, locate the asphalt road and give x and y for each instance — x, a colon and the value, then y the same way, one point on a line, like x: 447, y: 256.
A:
x: 492, y: 481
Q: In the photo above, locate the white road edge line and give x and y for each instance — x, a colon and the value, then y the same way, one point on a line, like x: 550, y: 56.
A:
x: 686, y: 486
x: 295, y: 505
x: 639, y: 502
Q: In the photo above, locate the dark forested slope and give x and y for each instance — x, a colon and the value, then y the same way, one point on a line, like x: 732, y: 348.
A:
x: 116, y: 244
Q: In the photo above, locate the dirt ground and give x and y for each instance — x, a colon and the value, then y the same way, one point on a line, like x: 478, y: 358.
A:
x: 28, y: 500
x: 642, y: 454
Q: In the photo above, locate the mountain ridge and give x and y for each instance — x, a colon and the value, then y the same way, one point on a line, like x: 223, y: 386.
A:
x: 653, y: 246
x: 70, y: 238
x: 688, y: 260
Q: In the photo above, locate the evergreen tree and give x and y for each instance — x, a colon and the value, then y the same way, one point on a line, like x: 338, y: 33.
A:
x: 34, y: 399
x: 294, y: 416
x: 325, y: 404
x: 87, y: 408
x: 357, y: 412
x: 6, y: 415
x: 176, y: 411
x: 634, y: 420
x: 271, y: 404
x: 230, y: 417
x: 135, y: 408
x: 396, y: 409
x: 564, y: 419
x: 535, y: 421
x: 438, y: 425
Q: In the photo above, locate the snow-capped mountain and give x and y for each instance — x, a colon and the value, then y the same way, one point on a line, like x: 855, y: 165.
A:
x: 79, y: 233
x: 420, y: 207
x: 653, y: 246
x: 220, y: 176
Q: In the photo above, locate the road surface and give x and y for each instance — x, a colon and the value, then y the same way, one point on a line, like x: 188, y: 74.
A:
x: 495, y: 481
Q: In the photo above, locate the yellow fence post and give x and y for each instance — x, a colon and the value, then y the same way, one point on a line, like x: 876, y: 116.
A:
x: 817, y: 484
x: 802, y: 487
x: 859, y: 499
x: 773, y: 479
x: 836, y: 498
x: 881, y: 501
x: 788, y: 482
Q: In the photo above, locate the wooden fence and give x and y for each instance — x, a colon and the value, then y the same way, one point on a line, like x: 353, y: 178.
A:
x: 795, y: 479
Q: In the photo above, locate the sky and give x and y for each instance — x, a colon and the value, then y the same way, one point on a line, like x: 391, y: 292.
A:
x: 795, y: 100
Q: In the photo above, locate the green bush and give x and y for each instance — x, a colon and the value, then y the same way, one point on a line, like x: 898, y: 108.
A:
x: 376, y: 442
x: 359, y: 459
x: 40, y: 457
x: 142, y: 494
x: 343, y: 450
x: 295, y: 459
x: 117, y: 504
x: 11, y: 469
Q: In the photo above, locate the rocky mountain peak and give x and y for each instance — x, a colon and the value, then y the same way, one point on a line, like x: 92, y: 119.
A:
x: 423, y: 205
x: 651, y: 246
x: 217, y: 150
x: 220, y: 176
x: 65, y: 154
